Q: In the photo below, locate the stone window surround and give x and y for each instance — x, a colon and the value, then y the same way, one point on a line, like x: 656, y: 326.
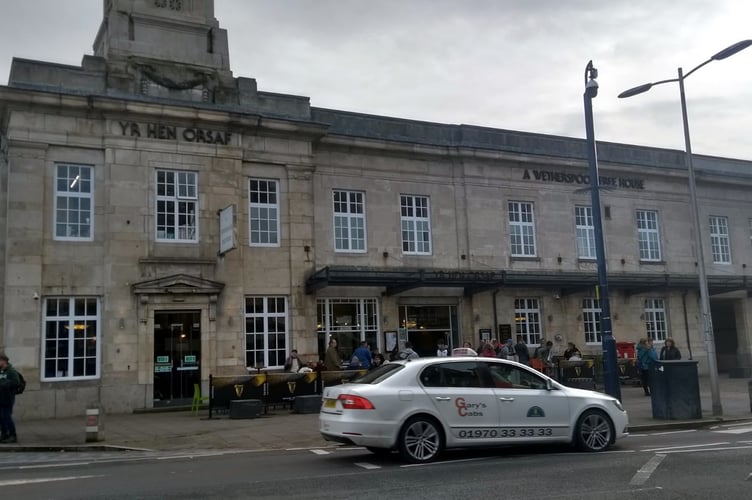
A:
x: 529, y: 324
x: 355, y: 220
x: 266, y: 316
x: 656, y: 320
x: 275, y: 231
x: 69, y: 194
x: 521, y: 227
x: 591, y: 319
x: 648, y: 236
x: 73, y: 320
x: 585, y: 232
x: 720, y: 244
x: 415, y: 225
x: 185, y: 199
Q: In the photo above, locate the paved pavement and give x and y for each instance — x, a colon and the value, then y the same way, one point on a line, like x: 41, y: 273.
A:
x: 184, y: 431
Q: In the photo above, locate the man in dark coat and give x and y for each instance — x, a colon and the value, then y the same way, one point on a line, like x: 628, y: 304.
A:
x: 9, y: 383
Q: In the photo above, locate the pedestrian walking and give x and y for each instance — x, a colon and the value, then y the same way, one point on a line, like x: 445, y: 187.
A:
x: 646, y: 356
x: 669, y: 351
x: 9, y: 383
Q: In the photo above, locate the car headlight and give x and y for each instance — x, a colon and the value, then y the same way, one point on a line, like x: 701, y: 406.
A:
x: 618, y: 404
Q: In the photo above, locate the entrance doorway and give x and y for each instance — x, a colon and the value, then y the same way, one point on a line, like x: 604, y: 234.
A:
x: 177, y: 356
x: 723, y: 313
x: 429, y: 326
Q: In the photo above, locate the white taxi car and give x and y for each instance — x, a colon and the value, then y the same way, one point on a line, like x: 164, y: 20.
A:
x: 423, y: 406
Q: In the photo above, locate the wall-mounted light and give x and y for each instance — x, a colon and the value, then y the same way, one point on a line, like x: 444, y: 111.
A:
x: 385, y: 319
x: 121, y: 323
x: 385, y: 254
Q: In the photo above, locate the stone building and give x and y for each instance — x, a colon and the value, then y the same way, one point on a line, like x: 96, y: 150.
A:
x: 163, y: 220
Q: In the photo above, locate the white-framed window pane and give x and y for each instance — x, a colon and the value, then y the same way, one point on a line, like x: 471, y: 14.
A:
x: 585, y: 232
x: 416, y: 224
x: 648, y: 235
x: 522, y: 229
x: 177, y: 206
x: 591, y: 317
x: 656, y: 324
x: 349, y: 221
x: 264, y: 212
x: 71, y: 338
x: 266, y: 332
x: 527, y: 320
x: 73, y: 202
x: 719, y: 240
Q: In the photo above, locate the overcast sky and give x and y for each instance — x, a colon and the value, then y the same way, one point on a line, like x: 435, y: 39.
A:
x: 500, y: 63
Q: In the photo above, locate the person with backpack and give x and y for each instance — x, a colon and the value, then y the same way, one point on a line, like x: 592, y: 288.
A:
x: 10, y: 385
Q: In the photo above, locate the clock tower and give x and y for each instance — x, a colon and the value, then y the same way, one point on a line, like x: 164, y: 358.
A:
x: 164, y: 48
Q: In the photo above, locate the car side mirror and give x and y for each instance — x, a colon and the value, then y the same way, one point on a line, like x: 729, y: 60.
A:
x: 549, y: 385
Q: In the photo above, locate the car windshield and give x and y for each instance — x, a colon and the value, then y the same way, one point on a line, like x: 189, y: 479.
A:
x: 380, y: 374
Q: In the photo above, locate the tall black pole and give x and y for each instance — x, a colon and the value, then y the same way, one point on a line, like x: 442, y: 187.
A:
x: 610, y: 369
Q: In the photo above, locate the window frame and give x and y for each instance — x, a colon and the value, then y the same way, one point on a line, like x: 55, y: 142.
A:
x: 522, y: 308
x: 416, y: 220
x: 350, y: 217
x: 177, y: 199
x: 514, y: 210
x: 587, y: 229
x: 591, y: 320
x: 265, y: 316
x: 72, y: 319
x: 275, y: 206
x: 652, y: 310
x: 648, y: 232
x: 78, y: 195
x: 720, y: 237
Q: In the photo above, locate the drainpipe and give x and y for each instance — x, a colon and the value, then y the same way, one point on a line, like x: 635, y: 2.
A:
x: 686, y: 323
x: 495, y: 314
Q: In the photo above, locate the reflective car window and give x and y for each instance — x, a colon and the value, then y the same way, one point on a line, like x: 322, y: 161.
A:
x: 466, y: 374
x: 380, y: 374
x: 505, y: 376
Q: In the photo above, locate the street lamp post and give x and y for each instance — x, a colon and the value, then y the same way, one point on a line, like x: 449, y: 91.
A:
x: 707, y: 321
x: 610, y: 369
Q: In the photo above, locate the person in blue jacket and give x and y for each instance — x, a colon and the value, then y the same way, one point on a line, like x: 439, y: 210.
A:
x: 363, y: 353
x: 646, y: 356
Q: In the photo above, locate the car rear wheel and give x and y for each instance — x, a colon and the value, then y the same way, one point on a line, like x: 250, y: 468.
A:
x: 594, y: 431
x: 420, y: 440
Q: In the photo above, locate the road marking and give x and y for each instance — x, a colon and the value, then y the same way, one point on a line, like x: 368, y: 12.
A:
x: 637, y: 435
x: 321, y: 452
x: 46, y: 466
x: 351, y: 448
x: 407, y: 466
x: 701, y: 450
x: 367, y: 466
x: 735, y: 425
x: 21, y: 482
x: 739, y: 430
x: 749, y: 478
x: 672, y: 432
x: 687, y: 446
x: 647, y: 470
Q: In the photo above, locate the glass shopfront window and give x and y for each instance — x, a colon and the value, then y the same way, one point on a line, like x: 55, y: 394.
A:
x: 349, y: 322
x: 429, y: 326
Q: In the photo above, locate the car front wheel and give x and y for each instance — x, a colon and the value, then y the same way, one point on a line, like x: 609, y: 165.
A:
x: 594, y: 431
x: 420, y: 440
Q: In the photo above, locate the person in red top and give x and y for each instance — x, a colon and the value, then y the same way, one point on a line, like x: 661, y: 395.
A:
x: 488, y: 351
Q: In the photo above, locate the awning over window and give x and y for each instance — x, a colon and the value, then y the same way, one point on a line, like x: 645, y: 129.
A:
x: 398, y: 280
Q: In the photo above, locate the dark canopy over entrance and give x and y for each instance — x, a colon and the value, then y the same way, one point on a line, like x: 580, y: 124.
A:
x: 475, y: 281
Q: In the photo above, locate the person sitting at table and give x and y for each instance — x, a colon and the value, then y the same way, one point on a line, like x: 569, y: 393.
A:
x: 572, y: 353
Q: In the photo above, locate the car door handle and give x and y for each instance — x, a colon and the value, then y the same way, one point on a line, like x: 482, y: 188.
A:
x: 443, y: 399
x: 506, y: 399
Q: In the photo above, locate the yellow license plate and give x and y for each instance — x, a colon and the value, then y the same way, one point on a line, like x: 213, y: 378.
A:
x: 330, y: 403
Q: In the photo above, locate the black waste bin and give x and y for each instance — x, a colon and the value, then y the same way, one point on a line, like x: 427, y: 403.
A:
x: 675, y: 390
